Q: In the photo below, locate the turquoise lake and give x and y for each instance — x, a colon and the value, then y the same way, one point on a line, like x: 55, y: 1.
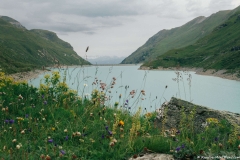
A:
x: 159, y: 86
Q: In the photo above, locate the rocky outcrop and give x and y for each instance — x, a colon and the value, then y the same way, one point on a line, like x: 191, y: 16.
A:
x: 171, y: 111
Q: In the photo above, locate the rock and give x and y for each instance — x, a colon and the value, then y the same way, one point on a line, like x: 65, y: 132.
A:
x: 154, y: 156
x: 172, y: 113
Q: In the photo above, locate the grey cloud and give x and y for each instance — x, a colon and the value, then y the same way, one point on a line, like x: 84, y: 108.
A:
x: 56, y: 14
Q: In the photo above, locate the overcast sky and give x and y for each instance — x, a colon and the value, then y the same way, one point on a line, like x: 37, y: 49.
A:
x: 109, y: 27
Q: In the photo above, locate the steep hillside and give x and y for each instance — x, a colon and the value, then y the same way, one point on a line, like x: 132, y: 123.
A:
x: 219, y: 50
x: 23, y: 50
x: 179, y: 37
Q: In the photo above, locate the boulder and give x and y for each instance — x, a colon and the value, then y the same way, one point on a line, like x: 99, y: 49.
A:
x: 171, y: 111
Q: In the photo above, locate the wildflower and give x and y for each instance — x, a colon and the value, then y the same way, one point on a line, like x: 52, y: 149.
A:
x: 3, y: 109
x: 42, y: 156
x: 18, y: 146
x: 121, y: 123
x: 91, y: 114
x: 45, y: 102
x: 178, y: 149
x: 14, y: 140
x: 216, y: 138
x: 114, y: 140
x: 121, y: 129
x: 26, y: 116
x: 220, y: 145
x: 53, y: 129
x: 23, y: 131
x: 110, y: 132
x: 50, y: 140
x: 11, y: 121
x: 20, y: 97
x: 178, y: 132
x: 6, y: 121
x: 106, y: 127
x: 81, y: 140
x: 111, y: 144
x: 102, y: 136
x: 44, y: 119
x: 65, y: 130
x: 48, y: 157
x: 92, y: 140
x: 62, y: 151
x: 60, y: 147
x: 183, y: 146
x: 78, y: 133
x: 66, y: 138
x: 132, y: 92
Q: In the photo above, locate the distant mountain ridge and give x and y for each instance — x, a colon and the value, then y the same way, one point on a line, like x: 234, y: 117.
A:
x: 179, y: 37
x: 23, y: 50
x: 106, y: 60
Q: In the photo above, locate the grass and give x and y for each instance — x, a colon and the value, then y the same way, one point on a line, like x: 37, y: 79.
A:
x: 219, y: 50
x: 25, y: 50
x: 53, y: 122
x: 179, y: 37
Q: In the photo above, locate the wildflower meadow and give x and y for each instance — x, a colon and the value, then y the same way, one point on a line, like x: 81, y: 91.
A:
x: 54, y: 122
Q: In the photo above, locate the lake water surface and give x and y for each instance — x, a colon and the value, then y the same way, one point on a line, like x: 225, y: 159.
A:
x: 212, y: 92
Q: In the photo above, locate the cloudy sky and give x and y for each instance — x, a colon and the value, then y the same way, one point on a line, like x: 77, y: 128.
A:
x: 109, y: 27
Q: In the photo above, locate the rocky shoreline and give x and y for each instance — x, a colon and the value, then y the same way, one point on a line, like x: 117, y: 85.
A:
x: 25, y: 76
x: 200, y: 71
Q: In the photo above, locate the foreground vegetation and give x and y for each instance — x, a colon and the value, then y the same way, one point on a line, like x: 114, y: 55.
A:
x: 53, y: 122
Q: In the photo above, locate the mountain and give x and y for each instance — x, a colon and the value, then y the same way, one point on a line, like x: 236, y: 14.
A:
x: 179, y: 37
x: 106, y: 60
x: 23, y: 50
x: 218, y: 50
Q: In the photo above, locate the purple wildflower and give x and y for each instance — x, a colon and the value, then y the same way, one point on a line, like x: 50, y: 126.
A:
x: 42, y: 96
x: 178, y: 149
x: 26, y: 116
x: 62, y: 151
x: 110, y: 132
x: 6, y: 121
x: 183, y: 146
x: 45, y: 102
x: 102, y: 136
x: 216, y: 138
x: 106, y: 127
x: 11, y: 121
x: 50, y: 140
x: 66, y: 138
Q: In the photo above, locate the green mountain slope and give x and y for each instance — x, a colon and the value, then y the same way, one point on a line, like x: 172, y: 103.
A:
x: 23, y: 50
x: 219, y: 50
x: 179, y: 37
